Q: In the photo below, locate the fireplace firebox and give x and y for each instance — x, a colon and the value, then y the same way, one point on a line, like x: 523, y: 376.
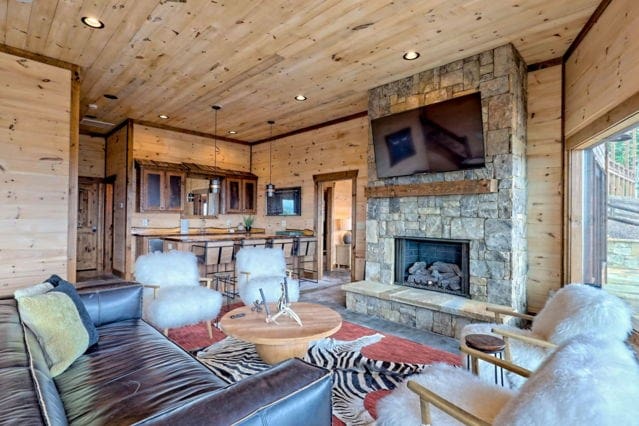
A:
x: 433, y: 264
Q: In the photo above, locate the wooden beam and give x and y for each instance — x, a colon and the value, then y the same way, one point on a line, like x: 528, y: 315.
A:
x: 74, y: 159
x: 458, y: 187
x: 328, y: 177
x: 189, y: 132
x: 313, y: 127
x: 40, y: 58
x: 586, y: 28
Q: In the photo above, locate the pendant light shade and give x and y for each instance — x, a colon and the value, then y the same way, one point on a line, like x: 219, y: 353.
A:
x: 270, y: 188
x: 215, y: 182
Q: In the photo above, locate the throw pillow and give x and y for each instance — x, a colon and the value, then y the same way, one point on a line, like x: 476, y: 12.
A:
x: 55, y: 321
x: 67, y: 288
x: 33, y: 290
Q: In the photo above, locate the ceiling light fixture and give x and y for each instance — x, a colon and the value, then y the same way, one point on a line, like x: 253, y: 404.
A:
x: 411, y: 55
x: 215, y: 182
x: 92, y: 22
x: 163, y: 116
x: 300, y: 98
x: 232, y: 132
x: 270, y: 188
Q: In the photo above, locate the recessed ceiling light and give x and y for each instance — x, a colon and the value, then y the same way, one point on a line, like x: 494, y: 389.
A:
x: 163, y: 116
x: 411, y: 55
x: 92, y: 22
x: 232, y: 132
x: 109, y: 96
x: 300, y: 98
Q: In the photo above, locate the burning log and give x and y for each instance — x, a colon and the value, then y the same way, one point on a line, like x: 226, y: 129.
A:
x: 441, y: 274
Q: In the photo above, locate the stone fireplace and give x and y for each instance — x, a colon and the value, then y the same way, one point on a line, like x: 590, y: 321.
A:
x: 432, y: 264
x: 491, y: 221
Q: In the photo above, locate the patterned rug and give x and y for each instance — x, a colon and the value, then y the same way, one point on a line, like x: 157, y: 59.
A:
x: 354, y: 375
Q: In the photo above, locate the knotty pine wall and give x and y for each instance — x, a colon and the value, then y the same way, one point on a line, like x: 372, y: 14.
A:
x: 545, y: 190
x: 295, y: 159
x: 602, y: 71
x: 35, y: 135
x: 91, y: 156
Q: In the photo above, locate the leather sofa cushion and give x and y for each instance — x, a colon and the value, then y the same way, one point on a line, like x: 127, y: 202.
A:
x: 132, y: 373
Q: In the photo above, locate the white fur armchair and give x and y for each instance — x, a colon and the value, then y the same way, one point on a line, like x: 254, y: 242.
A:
x: 575, y: 309
x: 265, y: 268
x: 173, y: 297
x: 587, y: 381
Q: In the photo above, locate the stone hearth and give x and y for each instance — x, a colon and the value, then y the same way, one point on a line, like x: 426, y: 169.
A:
x: 493, y: 223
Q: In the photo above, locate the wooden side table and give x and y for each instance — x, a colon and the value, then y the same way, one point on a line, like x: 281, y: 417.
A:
x: 343, y: 255
x: 487, y: 344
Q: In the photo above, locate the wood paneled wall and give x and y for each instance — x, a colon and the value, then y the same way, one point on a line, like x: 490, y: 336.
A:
x: 91, y: 157
x: 35, y: 123
x: 116, y: 165
x: 602, y: 71
x: 295, y: 159
x: 544, y: 163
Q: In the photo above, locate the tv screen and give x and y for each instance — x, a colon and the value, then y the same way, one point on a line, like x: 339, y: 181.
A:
x: 440, y: 137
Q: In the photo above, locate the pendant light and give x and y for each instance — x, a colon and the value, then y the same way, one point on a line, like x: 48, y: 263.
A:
x: 270, y: 188
x: 215, y: 182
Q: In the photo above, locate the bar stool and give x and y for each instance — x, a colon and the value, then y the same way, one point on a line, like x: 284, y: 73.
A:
x: 306, y: 261
x: 487, y: 344
x: 219, y: 263
x: 287, y: 245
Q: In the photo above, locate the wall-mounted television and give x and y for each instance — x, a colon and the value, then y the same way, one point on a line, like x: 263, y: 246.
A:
x: 440, y: 137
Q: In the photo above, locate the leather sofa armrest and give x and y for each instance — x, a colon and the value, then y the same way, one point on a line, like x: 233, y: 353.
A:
x: 113, y: 304
x: 289, y: 394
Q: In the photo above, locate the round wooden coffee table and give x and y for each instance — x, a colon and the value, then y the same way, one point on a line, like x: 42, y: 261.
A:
x: 277, y: 342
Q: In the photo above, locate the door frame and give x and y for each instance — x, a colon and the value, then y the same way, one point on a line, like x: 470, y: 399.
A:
x: 320, y: 180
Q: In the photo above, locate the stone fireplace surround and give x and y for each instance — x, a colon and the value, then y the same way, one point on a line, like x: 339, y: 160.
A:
x: 492, y: 222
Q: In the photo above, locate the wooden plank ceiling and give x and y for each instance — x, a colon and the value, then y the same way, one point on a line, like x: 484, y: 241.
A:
x: 179, y: 57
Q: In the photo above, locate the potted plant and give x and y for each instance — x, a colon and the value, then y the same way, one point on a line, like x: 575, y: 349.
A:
x: 248, y: 222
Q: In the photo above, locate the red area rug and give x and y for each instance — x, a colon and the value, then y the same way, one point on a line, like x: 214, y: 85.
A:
x: 390, y: 348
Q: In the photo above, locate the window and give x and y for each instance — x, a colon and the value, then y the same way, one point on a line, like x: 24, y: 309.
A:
x: 604, y: 239
x: 285, y: 202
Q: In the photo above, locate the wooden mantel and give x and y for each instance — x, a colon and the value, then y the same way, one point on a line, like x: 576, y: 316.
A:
x: 457, y: 187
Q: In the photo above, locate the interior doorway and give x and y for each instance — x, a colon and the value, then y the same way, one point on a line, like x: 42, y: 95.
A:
x: 94, y: 227
x: 336, y: 212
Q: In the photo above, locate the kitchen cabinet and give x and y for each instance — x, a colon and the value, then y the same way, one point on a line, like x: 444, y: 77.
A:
x: 240, y: 195
x: 161, y: 190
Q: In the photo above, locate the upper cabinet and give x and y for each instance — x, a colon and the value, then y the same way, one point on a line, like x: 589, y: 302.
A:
x: 161, y: 190
x: 240, y: 195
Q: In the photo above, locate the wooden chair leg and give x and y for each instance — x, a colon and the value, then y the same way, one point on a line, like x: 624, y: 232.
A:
x: 166, y: 332
x: 210, y: 329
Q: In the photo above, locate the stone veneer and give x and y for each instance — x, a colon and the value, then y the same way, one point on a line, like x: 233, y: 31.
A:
x: 493, y: 223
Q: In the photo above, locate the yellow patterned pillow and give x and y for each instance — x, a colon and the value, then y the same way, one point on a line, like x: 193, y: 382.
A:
x: 56, y: 323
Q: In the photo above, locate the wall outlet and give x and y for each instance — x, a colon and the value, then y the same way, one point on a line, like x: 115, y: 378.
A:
x: 145, y: 222
x: 228, y: 223
x: 283, y: 224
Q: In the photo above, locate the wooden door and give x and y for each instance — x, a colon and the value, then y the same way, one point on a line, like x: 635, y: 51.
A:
x: 90, y: 226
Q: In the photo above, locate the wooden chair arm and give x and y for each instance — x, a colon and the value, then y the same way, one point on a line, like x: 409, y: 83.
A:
x: 505, y: 310
x: 427, y: 397
x: 526, y: 339
x: 207, y: 280
x: 523, y: 372
x: 155, y: 288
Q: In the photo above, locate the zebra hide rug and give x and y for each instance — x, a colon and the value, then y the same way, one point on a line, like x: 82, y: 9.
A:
x: 354, y: 375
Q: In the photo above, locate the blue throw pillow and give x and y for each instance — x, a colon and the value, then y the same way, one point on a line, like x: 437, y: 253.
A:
x: 67, y: 288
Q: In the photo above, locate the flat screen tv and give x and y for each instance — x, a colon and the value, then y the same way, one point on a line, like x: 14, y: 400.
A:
x: 440, y: 137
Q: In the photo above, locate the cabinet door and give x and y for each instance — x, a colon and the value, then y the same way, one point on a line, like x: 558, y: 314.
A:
x: 249, y: 195
x: 152, y: 190
x: 174, y: 191
x: 233, y: 195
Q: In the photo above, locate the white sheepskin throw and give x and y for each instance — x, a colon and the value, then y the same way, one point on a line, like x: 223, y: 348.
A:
x: 588, y: 381
x: 401, y: 406
x: 272, y: 287
x: 260, y: 262
x: 578, y: 309
x: 173, y: 268
x: 267, y: 269
x: 182, y: 305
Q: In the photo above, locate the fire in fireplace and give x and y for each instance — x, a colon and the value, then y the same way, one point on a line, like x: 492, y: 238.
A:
x: 433, y: 264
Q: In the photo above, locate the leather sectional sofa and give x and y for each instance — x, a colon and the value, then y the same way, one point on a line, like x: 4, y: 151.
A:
x: 134, y: 375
